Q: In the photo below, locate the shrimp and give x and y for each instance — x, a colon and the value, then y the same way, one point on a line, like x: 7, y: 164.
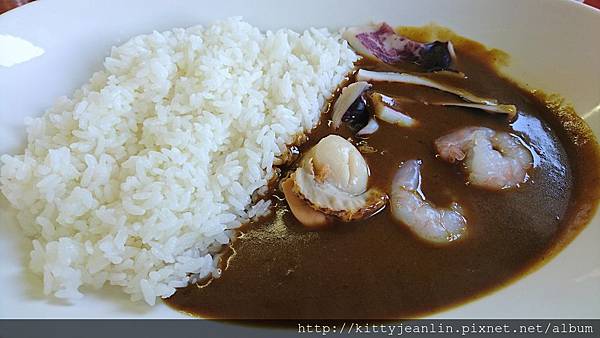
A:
x: 409, y: 206
x: 493, y: 159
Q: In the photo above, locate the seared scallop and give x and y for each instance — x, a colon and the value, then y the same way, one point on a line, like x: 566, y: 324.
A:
x: 333, y: 178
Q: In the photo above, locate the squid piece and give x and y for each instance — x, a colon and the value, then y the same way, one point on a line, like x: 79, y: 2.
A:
x: 371, y: 127
x: 382, y: 106
x: 473, y: 100
x: 381, y: 42
x: 508, y: 109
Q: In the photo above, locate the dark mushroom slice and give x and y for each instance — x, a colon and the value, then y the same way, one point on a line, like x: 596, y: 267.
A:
x: 348, y: 97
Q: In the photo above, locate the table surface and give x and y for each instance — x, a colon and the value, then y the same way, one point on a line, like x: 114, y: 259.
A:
x: 6, y: 5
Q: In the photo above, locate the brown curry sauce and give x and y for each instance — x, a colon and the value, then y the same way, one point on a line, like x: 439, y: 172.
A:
x: 376, y: 268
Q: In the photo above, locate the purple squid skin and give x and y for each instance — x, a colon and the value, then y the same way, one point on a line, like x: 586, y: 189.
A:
x: 391, y: 48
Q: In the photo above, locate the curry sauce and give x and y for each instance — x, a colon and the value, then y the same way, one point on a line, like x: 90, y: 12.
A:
x: 376, y: 268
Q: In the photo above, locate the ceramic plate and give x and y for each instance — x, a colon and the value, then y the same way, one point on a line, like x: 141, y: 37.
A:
x: 553, y: 46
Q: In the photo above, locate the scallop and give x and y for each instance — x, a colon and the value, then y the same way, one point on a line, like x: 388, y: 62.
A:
x: 333, y: 178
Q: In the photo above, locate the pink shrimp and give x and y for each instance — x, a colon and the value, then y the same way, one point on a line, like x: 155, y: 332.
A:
x: 409, y: 206
x: 494, y: 160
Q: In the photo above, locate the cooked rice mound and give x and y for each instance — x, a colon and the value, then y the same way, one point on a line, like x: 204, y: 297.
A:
x: 142, y: 176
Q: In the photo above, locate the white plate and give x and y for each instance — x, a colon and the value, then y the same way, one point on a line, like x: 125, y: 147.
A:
x: 553, y: 44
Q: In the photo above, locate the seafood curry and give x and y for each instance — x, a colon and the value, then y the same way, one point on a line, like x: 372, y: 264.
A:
x: 430, y: 180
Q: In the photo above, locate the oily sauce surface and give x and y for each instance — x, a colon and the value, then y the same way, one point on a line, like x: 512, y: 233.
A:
x: 376, y: 269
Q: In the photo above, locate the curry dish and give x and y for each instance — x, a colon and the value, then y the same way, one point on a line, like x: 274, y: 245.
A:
x: 378, y: 268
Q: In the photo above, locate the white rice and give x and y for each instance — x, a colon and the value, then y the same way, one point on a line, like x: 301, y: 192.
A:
x: 141, y: 177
